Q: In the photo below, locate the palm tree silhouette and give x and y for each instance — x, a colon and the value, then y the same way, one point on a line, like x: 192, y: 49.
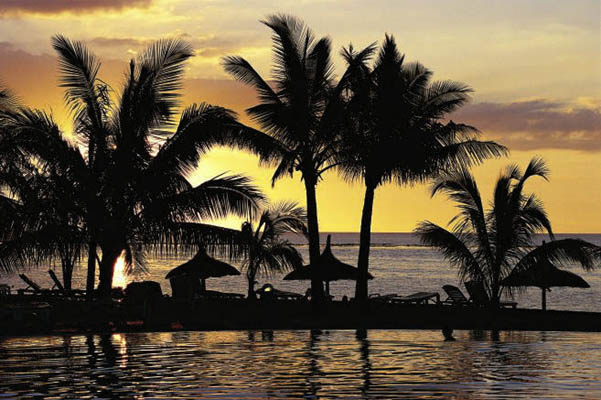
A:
x: 37, y: 224
x: 129, y: 186
x: 396, y: 131
x: 299, y: 110
x: 267, y: 251
x: 41, y: 220
x: 486, y: 245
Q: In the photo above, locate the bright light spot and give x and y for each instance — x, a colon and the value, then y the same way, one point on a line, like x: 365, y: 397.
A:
x: 119, y: 277
x: 122, y: 343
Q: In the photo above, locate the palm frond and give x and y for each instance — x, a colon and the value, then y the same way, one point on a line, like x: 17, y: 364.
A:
x: 203, y: 127
x: 79, y: 70
x: 563, y: 251
x: 218, y: 197
x: 243, y: 71
x: 453, y: 249
x: 8, y: 100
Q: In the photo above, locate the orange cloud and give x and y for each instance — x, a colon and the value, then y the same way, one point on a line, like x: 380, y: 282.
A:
x: 209, y: 46
x: 11, y: 7
x: 536, y: 124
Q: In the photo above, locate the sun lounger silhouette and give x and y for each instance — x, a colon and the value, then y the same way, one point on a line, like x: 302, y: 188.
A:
x: 479, y: 296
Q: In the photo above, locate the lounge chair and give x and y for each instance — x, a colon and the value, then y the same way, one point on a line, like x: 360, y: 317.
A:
x: 479, y: 296
x: 268, y: 292
x: 419, y: 298
x: 32, y: 287
x: 455, y: 296
x: 415, y: 298
x: 61, y: 289
x: 57, y: 284
x: 383, y: 298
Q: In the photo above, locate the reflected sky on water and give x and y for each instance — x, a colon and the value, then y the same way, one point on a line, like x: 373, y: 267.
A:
x: 374, y: 364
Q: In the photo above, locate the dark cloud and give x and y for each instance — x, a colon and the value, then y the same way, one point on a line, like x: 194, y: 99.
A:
x: 536, y: 124
x: 10, y: 7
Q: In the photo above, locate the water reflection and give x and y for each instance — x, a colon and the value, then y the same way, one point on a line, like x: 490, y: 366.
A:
x: 313, y: 381
x: 361, y: 336
x: 295, y: 364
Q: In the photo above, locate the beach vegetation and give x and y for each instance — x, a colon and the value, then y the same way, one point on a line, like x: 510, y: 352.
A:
x: 486, y: 245
x: 268, y: 250
x: 397, y: 130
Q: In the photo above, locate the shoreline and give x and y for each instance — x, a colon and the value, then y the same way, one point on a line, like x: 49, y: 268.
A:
x: 60, y: 317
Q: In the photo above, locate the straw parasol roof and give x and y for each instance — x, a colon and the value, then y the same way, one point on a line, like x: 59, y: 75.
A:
x: 544, y: 275
x: 329, y: 269
x: 203, y: 266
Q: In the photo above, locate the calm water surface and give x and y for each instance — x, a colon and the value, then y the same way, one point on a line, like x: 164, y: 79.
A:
x: 375, y: 364
x: 397, y: 261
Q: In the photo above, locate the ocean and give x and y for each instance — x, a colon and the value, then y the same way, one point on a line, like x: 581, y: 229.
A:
x: 398, y: 262
x: 317, y: 364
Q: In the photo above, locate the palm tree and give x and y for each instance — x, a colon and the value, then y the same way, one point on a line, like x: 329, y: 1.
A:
x: 267, y: 251
x: 35, y: 226
x: 396, y: 131
x: 487, y: 245
x: 129, y: 186
x: 38, y: 226
x: 299, y: 110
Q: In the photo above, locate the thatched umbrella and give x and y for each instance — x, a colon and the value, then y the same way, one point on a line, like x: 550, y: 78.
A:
x: 329, y: 269
x: 544, y: 275
x: 202, y: 266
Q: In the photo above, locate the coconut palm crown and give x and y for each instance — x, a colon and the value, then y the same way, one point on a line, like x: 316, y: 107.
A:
x: 486, y: 246
x: 268, y: 251
x: 129, y: 158
x: 299, y: 109
x: 397, y: 132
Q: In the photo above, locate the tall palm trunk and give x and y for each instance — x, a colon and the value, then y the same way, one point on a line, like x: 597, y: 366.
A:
x: 91, y: 277
x: 67, y: 272
x: 313, y: 228
x: 364, y: 243
x: 110, y: 254
x: 495, y: 298
x: 250, y: 276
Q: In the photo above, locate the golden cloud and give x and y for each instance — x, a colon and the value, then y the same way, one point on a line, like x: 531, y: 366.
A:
x: 15, y: 7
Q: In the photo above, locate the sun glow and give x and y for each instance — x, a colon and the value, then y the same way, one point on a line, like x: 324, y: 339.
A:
x: 120, y: 279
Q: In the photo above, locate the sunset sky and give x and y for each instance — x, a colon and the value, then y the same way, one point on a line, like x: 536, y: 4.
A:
x: 535, y: 67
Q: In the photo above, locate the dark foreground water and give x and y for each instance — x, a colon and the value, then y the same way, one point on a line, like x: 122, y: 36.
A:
x: 376, y: 364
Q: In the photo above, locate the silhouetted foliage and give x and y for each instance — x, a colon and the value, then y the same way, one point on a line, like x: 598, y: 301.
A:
x: 298, y: 110
x: 128, y: 189
x: 396, y: 131
x: 267, y: 251
x: 487, y: 245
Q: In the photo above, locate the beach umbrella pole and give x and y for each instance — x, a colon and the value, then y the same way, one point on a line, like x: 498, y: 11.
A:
x: 544, y: 299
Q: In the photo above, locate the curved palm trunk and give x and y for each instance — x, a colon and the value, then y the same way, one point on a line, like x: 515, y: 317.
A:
x: 364, y: 244
x: 91, y: 277
x: 312, y: 225
x: 107, y: 269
